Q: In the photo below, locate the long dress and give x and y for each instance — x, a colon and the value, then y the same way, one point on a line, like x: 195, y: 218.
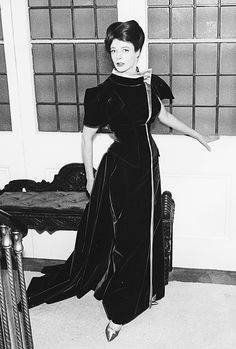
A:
x: 119, y: 251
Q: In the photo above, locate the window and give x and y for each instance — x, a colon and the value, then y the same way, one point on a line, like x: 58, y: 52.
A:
x: 5, y: 116
x: 68, y: 56
x: 192, y: 45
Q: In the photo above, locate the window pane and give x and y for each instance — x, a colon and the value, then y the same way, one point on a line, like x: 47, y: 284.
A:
x: 4, y: 97
x: 227, y: 2
x: 228, y: 26
x: 206, y: 90
x: 81, y: 116
x: 64, y: 58
x: 206, y: 56
x: 207, y: 2
x: 184, y: 114
x: 206, y: 22
x: 5, y: 115
x: 158, y: 23
x: 182, y: 89
x: 66, y: 90
x: 44, y: 88
x: 159, y: 58
x: 1, y: 34
x: 228, y: 58
x: 47, y: 117
x: 106, y: 3
x: 102, y: 78
x: 68, y: 116
x: 227, y: 90
x: 104, y: 60
x: 84, y: 26
x: 83, y: 2
x: 86, y: 58
x: 5, y: 118
x: 158, y: 128
x: 182, y: 2
x: 158, y: 2
x: 39, y: 23
x: 60, y: 2
x: 61, y: 23
x: 42, y: 58
x: 227, y: 121
x: 2, y: 60
x: 183, y: 59
x: 84, y: 82
x: 205, y: 120
x: 182, y: 23
x: 33, y: 3
x: 105, y: 17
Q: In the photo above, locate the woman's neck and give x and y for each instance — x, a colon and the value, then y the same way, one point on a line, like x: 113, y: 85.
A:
x: 133, y: 75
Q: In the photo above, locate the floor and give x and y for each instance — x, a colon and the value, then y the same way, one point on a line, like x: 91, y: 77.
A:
x: 193, y: 315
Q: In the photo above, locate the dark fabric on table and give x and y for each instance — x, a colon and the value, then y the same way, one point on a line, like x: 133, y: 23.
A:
x: 58, y: 200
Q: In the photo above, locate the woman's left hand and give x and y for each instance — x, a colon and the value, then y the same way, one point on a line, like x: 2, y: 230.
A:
x: 204, y: 140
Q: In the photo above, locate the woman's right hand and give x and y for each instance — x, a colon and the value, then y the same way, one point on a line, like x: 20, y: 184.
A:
x: 89, y: 185
x: 204, y: 140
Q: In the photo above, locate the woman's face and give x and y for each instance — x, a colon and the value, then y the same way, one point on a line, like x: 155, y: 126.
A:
x: 123, y: 56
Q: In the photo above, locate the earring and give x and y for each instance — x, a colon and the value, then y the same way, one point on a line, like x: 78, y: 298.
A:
x: 137, y: 69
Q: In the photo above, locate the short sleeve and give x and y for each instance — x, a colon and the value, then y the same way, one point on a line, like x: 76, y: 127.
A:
x: 94, y: 112
x: 161, y: 88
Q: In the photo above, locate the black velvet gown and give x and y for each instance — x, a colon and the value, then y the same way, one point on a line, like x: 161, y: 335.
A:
x: 119, y: 249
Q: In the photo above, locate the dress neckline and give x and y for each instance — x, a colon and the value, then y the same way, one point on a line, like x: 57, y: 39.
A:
x: 125, y: 80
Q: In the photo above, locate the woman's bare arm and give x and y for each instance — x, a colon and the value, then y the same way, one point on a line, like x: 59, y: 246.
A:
x: 87, y: 155
x: 171, y: 121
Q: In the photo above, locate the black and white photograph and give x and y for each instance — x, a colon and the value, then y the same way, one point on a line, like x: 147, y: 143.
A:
x: 117, y: 174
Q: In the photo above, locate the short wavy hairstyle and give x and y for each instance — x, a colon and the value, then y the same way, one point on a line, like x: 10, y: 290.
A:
x: 125, y: 31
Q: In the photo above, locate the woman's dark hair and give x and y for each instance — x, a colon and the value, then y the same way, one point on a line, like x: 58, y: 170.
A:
x: 125, y: 31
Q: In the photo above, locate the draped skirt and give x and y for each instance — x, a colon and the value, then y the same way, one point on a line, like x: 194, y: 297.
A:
x: 112, y: 249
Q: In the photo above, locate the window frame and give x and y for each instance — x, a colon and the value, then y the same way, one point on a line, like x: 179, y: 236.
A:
x: 19, y: 57
x: 74, y: 41
x: 218, y: 41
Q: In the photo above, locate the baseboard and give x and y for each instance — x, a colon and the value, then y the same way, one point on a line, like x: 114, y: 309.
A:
x: 37, y: 264
x: 178, y: 274
x: 203, y: 275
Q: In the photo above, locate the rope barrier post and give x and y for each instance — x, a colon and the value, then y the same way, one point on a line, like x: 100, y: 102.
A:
x: 4, y: 319
x: 18, y: 249
x: 1, y: 332
x: 7, y: 246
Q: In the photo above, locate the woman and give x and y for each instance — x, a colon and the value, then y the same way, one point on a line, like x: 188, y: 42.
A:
x: 119, y: 246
